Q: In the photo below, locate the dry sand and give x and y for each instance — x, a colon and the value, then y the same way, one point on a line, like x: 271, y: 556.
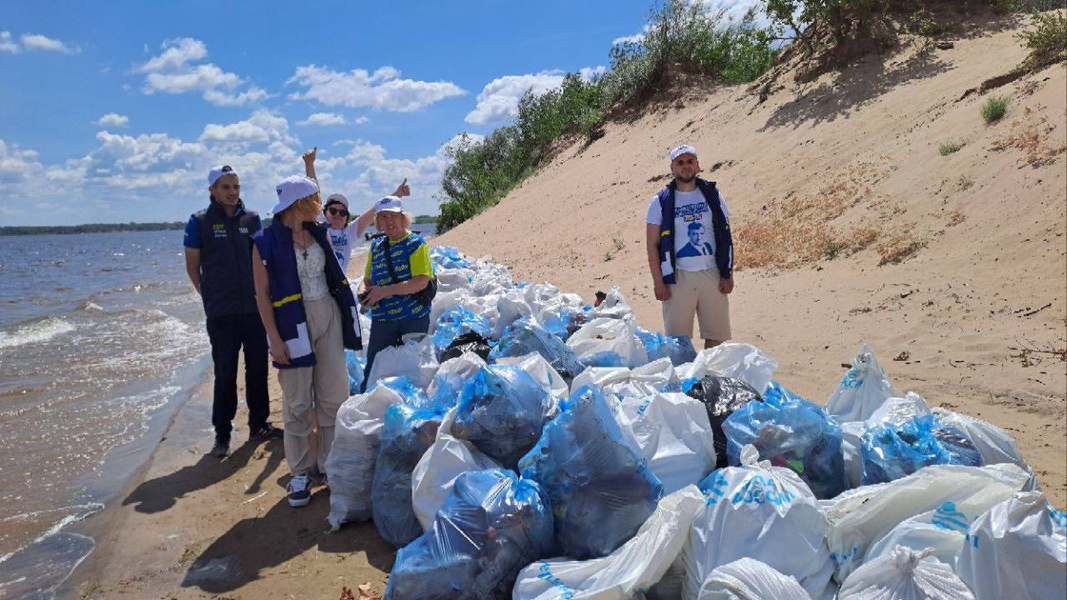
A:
x: 963, y: 322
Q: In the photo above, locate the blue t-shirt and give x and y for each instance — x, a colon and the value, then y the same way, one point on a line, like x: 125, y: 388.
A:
x: 410, y: 257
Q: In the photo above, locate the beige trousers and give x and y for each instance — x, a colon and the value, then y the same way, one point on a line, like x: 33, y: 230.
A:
x: 316, y: 391
x: 697, y: 292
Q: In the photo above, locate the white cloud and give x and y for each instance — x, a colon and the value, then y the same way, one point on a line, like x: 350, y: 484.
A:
x: 34, y: 41
x: 112, y: 120
x: 172, y: 73
x: 157, y: 176
x: 7, y: 44
x: 16, y: 165
x: 629, y: 39
x: 382, y: 89
x: 324, y: 119
x: 261, y: 127
x: 499, y: 99
x: 362, y: 120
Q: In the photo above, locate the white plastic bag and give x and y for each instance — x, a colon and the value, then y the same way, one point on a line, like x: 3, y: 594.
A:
x: 350, y: 465
x: 749, y: 579
x: 453, y: 374
x: 940, y: 531
x: 542, y: 372
x: 761, y: 512
x: 436, y: 472
x: 415, y: 359
x: 621, y: 382
x: 860, y: 517
x: 614, y: 306
x: 631, y: 568
x: 905, y: 574
x: 897, y: 410
x: 511, y: 306
x: 863, y: 389
x: 740, y: 361
x: 1018, y: 550
x: 609, y: 335
x: 672, y: 433
x: 995, y: 444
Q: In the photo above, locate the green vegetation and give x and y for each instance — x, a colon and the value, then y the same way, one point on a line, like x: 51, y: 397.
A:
x: 681, y: 36
x: 994, y: 108
x: 92, y: 228
x: 1047, y: 43
x: 949, y: 147
x: 425, y: 219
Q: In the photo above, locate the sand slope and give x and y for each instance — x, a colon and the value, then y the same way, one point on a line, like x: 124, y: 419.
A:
x: 960, y: 309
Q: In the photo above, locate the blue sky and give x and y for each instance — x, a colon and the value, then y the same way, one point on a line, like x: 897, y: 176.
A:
x: 114, y: 111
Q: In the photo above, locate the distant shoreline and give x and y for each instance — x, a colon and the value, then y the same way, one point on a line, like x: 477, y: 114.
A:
x: 127, y: 227
x: 91, y: 228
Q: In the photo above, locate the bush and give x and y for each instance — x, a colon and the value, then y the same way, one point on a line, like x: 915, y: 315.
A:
x: 994, y: 108
x: 484, y: 171
x: 949, y: 147
x: 1047, y: 43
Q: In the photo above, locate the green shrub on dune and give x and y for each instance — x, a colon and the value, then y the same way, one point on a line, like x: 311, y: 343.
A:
x: 679, y: 33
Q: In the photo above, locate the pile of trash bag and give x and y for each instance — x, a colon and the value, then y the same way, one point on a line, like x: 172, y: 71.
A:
x: 533, y: 446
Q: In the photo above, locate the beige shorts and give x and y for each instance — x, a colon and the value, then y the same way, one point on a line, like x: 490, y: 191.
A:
x: 697, y: 292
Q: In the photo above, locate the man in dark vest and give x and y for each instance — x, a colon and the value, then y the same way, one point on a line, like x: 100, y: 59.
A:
x: 689, y: 277
x: 218, y: 259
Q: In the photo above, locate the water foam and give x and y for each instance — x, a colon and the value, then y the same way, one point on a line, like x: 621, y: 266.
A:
x: 42, y: 331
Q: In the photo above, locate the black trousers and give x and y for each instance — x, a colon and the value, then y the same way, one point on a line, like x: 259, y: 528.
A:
x: 228, y: 335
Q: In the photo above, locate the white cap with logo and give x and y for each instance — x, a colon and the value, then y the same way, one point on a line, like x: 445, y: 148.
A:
x: 683, y: 149
x: 291, y: 189
x: 388, y: 204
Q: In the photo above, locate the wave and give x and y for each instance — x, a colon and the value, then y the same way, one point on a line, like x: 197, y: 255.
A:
x: 38, y: 332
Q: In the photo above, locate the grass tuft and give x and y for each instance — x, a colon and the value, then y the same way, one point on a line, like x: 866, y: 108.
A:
x: 949, y: 147
x: 994, y: 108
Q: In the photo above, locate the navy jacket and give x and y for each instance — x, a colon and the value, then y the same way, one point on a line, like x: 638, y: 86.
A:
x: 720, y: 225
x: 226, y: 285
x: 275, y: 245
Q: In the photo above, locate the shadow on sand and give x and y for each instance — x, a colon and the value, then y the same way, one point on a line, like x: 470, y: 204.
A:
x: 855, y: 87
x: 156, y: 495
x: 241, y: 554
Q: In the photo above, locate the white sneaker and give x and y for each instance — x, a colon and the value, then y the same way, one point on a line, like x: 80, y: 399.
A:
x: 299, y: 491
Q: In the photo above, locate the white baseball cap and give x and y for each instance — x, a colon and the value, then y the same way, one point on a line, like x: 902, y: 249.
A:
x: 388, y: 204
x: 291, y: 189
x: 337, y: 198
x: 683, y: 149
x: 219, y: 172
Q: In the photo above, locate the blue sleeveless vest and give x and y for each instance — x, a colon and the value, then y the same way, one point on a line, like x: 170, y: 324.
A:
x: 275, y: 245
x: 720, y: 225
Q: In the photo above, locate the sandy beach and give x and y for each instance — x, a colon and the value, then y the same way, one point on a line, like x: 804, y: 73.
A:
x: 973, y: 318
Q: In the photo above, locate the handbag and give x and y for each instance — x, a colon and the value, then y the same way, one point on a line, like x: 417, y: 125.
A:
x: 424, y: 296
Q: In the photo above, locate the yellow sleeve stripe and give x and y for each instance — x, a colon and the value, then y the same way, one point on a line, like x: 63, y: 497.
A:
x: 286, y: 300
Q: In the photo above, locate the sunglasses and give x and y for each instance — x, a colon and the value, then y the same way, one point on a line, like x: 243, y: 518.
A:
x: 337, y: 212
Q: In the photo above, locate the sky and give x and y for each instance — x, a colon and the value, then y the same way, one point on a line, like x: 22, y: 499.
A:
x: 115, y: 111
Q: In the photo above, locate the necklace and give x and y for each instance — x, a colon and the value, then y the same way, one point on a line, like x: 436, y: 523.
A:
x: 302, y: 246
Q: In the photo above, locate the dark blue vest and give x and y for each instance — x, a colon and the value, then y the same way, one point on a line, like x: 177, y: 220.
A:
x: 720, y: 225
x: 275, y: 245
x: 226, y: 285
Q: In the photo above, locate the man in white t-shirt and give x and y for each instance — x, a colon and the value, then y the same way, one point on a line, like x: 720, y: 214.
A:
x: 344, y: 231
x: 690, y: 252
